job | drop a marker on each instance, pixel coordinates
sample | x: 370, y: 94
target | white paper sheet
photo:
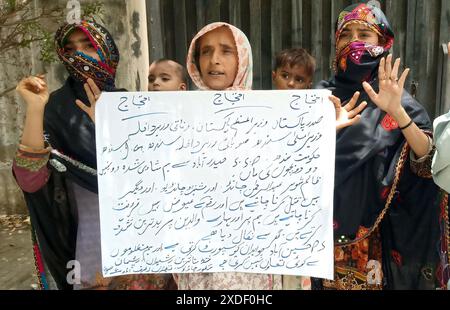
x: 205, y: 181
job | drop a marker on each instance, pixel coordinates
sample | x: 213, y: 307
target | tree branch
x: 13, y: 11
x: 7, y: 91
x: 44, y: 15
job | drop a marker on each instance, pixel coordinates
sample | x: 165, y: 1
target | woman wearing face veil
x: 388, y: 216
x: 58, y: 174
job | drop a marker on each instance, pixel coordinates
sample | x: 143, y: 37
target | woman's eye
x: 204, y: 52
x: 229, y: 51
x: 68, y: 48
x: 285, y: 76
x: 344, y: 35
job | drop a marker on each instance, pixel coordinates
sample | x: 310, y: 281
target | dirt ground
x: 17, y: 271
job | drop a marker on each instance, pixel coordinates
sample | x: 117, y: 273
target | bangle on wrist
x: 28, y: 149
x: 404, y: 127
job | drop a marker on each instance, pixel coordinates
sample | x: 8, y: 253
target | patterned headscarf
x: 370, y: 16
x: 79, y: 65
x: 244, y: 76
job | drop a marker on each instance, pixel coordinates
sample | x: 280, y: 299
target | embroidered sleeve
x: 422, y: 166
x: 30, y: 168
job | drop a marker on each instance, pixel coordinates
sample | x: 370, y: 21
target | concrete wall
x: 127, y: 23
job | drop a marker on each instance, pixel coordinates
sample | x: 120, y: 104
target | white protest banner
x: 205, y: 181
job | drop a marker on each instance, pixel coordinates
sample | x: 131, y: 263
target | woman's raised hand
x: 34, y: 91
x: 93, y: 93
x: 349, y: 114
x: 390, y: 91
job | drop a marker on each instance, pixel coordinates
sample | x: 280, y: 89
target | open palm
x: 390, y: 91
x: 348, y: 114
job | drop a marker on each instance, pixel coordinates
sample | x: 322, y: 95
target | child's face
x: 288, y: 77
x: 164, y: 76
x: 218, y: 58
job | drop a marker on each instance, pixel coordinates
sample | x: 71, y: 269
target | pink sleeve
x: 30, y: 170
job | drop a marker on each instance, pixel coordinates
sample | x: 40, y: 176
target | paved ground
x: 16, y: 254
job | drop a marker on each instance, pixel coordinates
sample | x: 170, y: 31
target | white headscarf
x: 244, y: 76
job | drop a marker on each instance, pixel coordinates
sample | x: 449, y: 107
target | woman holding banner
x: 57, y: 174
x: 387, y: 214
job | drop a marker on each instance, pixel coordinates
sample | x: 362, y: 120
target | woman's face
x: 218, y: 58
x: 78, y: 41
x: 357, y: 32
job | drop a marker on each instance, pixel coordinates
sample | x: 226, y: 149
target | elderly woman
x: 386, y: 207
